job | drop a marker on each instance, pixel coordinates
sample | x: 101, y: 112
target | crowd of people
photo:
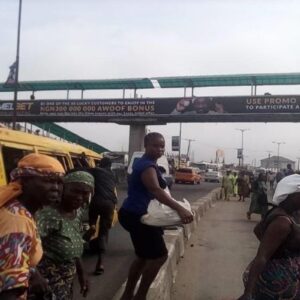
x: 41, y: 218
x: 274, y: 273
x: 41, y: 215
x: 245, y: 185
x: 42, y: 242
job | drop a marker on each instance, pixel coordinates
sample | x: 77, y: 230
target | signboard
x: 175, y: 143
x: 193, y: 109
x: 239, y: 153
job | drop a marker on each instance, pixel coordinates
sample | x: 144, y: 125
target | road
x: 120, y: 252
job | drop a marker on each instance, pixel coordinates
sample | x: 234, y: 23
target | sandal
x: 99, y: 271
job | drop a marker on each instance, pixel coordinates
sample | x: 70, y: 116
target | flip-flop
x: 99, y: 271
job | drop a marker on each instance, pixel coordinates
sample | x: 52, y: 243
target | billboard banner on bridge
x: 170, y: 109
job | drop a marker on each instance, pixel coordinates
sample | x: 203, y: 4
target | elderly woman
x: 275, y: 271
x: 35, y: 183
x: 60, y: 231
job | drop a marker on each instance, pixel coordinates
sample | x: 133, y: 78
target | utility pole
x: 14, y: 119
x: 278, y: 147
x: 242, y: 130
x: 189, y: 145
x: 180, y: 130
x: 269, y: 156
x: 179, y: 152
x: 298, y: 162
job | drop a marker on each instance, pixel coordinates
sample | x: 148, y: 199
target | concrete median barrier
x: 176, y: 240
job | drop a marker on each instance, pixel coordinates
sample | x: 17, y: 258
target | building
x: 276, y: 162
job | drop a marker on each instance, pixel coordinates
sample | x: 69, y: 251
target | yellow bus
x: 16, y: 144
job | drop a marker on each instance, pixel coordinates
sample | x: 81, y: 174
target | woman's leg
x: 149, y: 273
x: 134, y: 275
x: 106, y: 211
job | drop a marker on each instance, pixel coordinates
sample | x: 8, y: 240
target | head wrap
x: 286, y: 186
x: 80, y: 177
x: 30, y: 165
x: 37, y: 165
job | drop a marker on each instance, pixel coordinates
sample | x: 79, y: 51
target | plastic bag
x: 162, y: 215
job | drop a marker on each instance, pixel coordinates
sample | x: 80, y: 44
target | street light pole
x: 269, y: 156
x: 298, y: 158
x: 278, y: 147
x: 17, y: 67
x: 242, y: 130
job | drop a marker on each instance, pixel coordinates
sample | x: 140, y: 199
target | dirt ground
x: 217, y: 254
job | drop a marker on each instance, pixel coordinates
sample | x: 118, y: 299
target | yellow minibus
x: 16, y: 144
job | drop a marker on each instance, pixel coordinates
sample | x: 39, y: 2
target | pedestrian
x: 289, y: 170
x: 279, y: 176
x: 227, y: 185
x: 34, y: 183
x: 259, y: 198
x: 234, y: 184
x: 275, y: 271
x: 146, y: 183
x: 60, y: 231
x: 271, y: 179
x: 103, y: 205
x: 243, y: 187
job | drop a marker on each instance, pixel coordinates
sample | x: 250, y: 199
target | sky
x: 92, y: 39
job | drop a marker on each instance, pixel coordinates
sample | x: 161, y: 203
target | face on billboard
x: 201, y: 105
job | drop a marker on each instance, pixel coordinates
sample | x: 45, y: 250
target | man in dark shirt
x: 103, y: 204
x: 289, y: 170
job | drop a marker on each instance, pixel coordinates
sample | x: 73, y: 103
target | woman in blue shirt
x: 145, y: 184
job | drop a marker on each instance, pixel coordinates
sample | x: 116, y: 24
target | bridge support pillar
x: 136, y: 138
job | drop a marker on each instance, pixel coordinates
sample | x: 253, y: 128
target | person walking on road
x: 259, y: 197
x: 227, y: 186
x: 146, y: 183
x: 34, y: 183
x: 234, y: 178
x: 289, y: 170
x: 103, y: 204
x: 60, y: 231
x: 243, y: 187
x: 275, y: 271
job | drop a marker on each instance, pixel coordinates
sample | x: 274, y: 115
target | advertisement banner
x: 239, y: 153
x: 175, y: 143
x: 166, y: 109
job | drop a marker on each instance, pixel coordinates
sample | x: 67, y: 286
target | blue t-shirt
x: 139, y: 197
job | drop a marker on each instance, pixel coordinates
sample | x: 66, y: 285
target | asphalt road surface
x: 120, y: 252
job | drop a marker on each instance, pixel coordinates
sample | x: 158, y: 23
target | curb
x: 176, y: 241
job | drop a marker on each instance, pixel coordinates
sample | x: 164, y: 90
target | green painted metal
x: 109, y: 84
x: 229, y: 80
x: 70, y: 136
x: 164, y: 82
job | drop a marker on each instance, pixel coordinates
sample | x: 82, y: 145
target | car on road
x: 187, y: 175
x: 213, y: 176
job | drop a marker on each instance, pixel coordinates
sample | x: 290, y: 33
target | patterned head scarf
x: 30, y: 165
x: 37, y: 165
x: 80, y: 177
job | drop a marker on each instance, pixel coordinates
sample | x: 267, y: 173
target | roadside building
x: 276, y: 162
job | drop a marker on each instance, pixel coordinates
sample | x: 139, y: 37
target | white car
x: 213, y: 176
x: 162, y: 163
